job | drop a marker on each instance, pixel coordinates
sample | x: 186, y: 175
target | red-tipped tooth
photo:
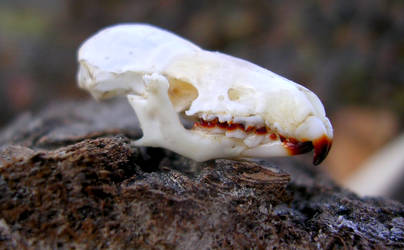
x: 321, y: 146
x: 295, y: 147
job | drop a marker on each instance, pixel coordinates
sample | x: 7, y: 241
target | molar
x: 216, y: 131
x: 208, y: 117
x: 225, y: 117
x: 253, y: 121
x: 236, y: 133
x: 253, y: 140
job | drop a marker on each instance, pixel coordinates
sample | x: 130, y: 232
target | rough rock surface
x: 69, y: 177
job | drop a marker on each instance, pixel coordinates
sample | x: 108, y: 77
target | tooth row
x: 247, y: 121
x: 251, y: 136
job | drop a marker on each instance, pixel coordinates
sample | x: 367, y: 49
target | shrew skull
x: 239, y: 109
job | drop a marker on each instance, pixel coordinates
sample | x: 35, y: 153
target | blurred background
x: 350, y: 53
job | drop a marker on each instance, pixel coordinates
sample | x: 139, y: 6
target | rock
x: 69, y: 177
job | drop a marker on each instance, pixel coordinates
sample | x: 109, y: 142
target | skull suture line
x: 239, y: 109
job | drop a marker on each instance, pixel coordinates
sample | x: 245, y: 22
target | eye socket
x: 181, y: 94
x: 240, y: 93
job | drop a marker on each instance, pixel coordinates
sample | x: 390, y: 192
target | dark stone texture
x: 69, y: 177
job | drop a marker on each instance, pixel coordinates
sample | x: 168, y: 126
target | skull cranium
x: 239, y: 109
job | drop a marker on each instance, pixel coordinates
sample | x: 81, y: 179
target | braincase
x: 132, y: 47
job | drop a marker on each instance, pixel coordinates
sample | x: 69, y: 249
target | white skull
x: 239, y: 109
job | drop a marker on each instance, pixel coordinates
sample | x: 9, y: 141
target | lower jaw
x: 267, y: 140
x: 273, y: 145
